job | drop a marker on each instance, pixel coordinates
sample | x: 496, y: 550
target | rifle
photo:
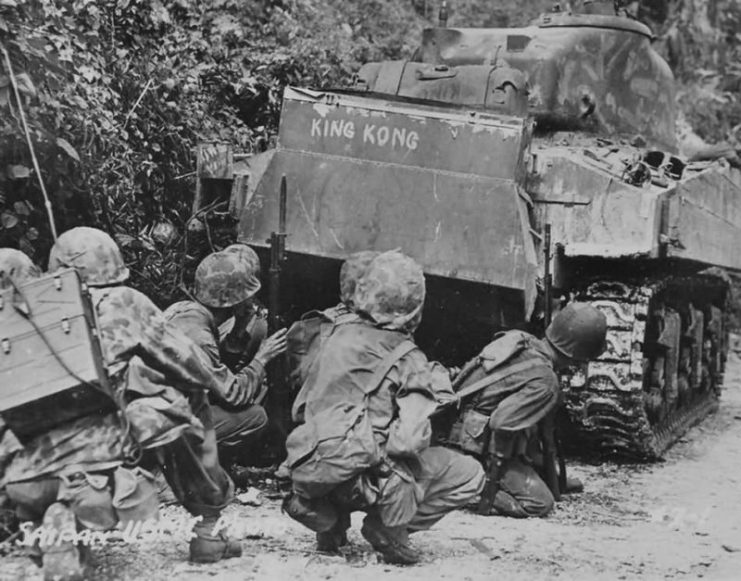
x: 552, y: 448
x: 547, y: 433
x: 278, y: 397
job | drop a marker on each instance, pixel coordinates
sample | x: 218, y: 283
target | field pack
x: 51, y: 366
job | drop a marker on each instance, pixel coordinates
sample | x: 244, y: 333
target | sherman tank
x: 523, y: 168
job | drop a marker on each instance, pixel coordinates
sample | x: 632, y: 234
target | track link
x: 661, y: 371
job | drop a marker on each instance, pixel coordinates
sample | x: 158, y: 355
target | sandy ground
x: 680, y: 519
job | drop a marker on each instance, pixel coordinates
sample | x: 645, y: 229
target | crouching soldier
x: 225, y: 284
x: 304, y: 337
x: 146, y: 360
x: 509, y: 416
x: 364, y: 443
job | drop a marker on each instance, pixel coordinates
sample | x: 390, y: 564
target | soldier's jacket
x: 399, y: 410
x: 146, y: 358
x: 520, y: 400
x: 304, y: 340
x: 197, y: 323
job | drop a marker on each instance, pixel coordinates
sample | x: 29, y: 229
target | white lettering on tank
x: 380, y: 135
x: 383, y: 135
x: 412, y: 140
x: 336, y: 128
x: 398, y: 136
x: 368, y: 134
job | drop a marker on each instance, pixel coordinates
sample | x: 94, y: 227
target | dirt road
x: 680, y: 519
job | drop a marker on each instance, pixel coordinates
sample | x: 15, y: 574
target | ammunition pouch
x: 470, y: 432
x: 135, y: 499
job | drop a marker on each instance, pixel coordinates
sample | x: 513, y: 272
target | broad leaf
x: 18, y: 172
x: 8, y: 220
x: 68, y: 149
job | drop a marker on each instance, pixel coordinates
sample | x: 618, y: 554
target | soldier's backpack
x: 305, y: 339
x: 470, y: 428
x: 338, y: 443
x: 51, y: 366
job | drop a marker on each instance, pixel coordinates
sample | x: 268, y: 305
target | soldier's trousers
x: 522, y: 492
x: 238, y: 432
x: 414, y: 495
x: 419, y: 496
x: 192, y: 469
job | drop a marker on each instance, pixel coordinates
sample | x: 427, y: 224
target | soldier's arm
x: 421, y: 386
x: 131, y: 324
x: 528, y: 405
x: 239, y: 388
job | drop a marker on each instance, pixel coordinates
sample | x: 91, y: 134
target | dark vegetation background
x: 118, y: 93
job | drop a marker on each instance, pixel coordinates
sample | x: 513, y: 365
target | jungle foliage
x: 117, y: 93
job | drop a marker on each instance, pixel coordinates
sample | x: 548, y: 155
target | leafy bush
x: 118, y: 93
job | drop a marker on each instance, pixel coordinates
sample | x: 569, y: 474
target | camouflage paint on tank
x: 499, y: 87
x: 591, y: 72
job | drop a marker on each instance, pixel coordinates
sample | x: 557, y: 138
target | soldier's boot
x: 211, y: 545
x: 318, y: 514
x: 330, y: 541
x: 573, y: 485
x: 63, y: 559
x: 391, y: 542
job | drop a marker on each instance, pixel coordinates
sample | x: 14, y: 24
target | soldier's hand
x: 272, y: 347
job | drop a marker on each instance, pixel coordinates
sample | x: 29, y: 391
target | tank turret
x: 577, y: 72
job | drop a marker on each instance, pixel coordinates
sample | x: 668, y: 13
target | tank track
x: 661, y: 372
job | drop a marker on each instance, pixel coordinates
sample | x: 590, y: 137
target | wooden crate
x: 51, y: 368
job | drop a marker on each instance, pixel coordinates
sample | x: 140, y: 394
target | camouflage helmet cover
x: 392, y: 292
x: 16, y: 268
x: 93, y: 253
x: 224, y: 279
x: 245, y: 253
x: 352, y: 270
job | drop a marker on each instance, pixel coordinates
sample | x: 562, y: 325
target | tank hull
x: 462, y: 159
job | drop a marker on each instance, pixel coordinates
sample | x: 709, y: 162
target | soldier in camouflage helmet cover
x: 94, y: 255
x: 417, y: 484
x: 147, y: 360
x: 16, y: 268
x: 225, y: 284
x: 392, y: 292
x: 226, y: 278
x: 303, y: 336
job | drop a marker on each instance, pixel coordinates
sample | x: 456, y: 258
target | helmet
x: 93, y: 253
x: 16, y: 268
x: 225, y: 279
x: 352, y: 269
x: 392, y: 292
x: 578, y: 331
x: 245, y: 253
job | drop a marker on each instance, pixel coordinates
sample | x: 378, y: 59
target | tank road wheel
x: 661, y: 372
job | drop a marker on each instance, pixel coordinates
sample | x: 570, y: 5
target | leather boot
x: 336, y: 537
x: 61, y: 560
x: 391, y: 542
x: 210, y: 546
x: 573, y: 485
